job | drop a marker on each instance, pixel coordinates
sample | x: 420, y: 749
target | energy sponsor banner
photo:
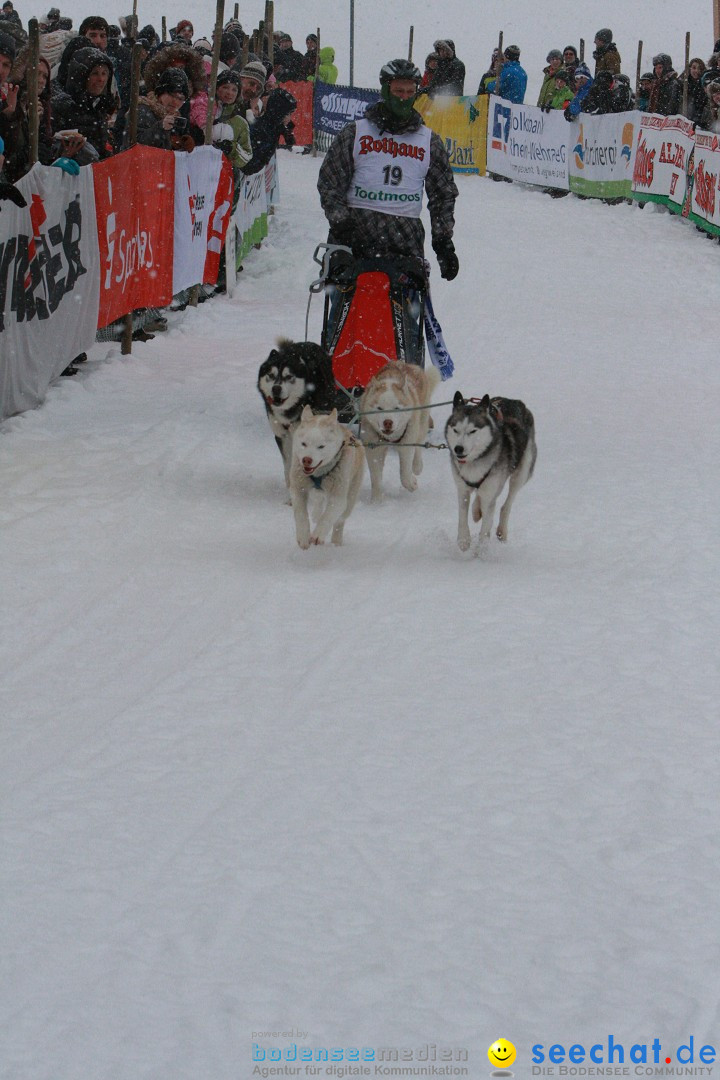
x: 49, y: 283
x: 524, y: 143
x: 461, y: 122
x: 336, y: 106
x: 251, y: 211
x: 135, y: 230
x: 602, y: 151
x: 302, y: 118
x: 663, y: 152
x: 203, y: 202
x: 704, y: 182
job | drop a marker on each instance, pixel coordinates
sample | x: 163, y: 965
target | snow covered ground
x: 388, y: 794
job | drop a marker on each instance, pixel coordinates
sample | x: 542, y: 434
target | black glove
x: 568, y: 115
x: 447, y: 259
x: 344, y: 232
x: 9, y: 191
x: 288, y: 134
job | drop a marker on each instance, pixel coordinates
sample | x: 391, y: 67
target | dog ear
x: 307, y: 413
x: 333, y: 415
x: 458, y: 400
x: 485, y: 403
x: 273, y: 355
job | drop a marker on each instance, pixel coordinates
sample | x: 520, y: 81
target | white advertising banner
x: 705, y: 203
x: 526, y: 144
x: 49, y: 283
x: 602, y: 153
x: 663, y: 152
x: 202, y: 207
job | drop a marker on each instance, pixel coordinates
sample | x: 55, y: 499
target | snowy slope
x: 387, y: 794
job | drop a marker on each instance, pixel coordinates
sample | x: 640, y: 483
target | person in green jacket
x: 327, y: 72
x: 231, y: 132
x: 562, y: 92
x: 554, y: 61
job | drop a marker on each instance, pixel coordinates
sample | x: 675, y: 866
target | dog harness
x: 350, y: 440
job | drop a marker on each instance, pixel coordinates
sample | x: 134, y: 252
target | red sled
x: 373, y: 315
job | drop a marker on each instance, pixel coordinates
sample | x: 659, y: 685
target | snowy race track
x: 387, y: 794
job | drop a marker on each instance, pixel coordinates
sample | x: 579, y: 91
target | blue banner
x: 336, y: 106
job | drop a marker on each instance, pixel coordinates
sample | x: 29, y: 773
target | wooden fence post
x: 137, y: 51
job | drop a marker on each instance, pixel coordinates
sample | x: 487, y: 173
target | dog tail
x: 432, y: 381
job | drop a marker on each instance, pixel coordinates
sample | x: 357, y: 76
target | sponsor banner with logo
x: 602, y: 154
x: 526, y: 144
x: 203, y: 202
x: 704, y: 182
x: 336, y: 106
x: 49, y: 283
x: 135, y: 228
x: 302, y: 118
x: 663, y: 150
x: 461, y: 122
x: 251, y: 213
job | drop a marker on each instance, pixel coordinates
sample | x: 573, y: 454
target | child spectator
x: 697, y: 98
x: 710, y: 119
x: 642, y: 99
x: 431, y: 63
x: 562, y: 94
x: 583, y: 86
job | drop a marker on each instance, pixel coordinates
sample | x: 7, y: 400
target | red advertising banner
x: 134, y: 194
x: 303, y: 115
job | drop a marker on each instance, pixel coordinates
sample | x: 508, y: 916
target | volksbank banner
x: 602, y: 154
x: 526, y: 144
x: 336, y: 106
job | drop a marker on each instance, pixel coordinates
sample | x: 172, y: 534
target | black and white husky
x: 491, y: 441
x: 294, y: 375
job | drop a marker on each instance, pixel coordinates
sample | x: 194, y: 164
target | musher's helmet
x: 399, y: 69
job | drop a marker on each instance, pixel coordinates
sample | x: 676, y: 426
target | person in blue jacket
x: 583, y: 83
x: 513, y: 78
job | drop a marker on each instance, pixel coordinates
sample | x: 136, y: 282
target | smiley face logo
x: 502, y: 1054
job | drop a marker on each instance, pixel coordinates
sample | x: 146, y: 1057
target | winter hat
x: 7, y: 46
x: 713, y: 88
x: 53, y: 13
x: 444, y: 43
x: 604, y: 36
x: 563, y: 75
x: 570, y: 48
x: 202, y: 45
x: 229, y: 47
x: 554, y: 54
x: 228, y: 76
x: 582, y: 71
x: 512, y: 52
x: 173, y: 81
x: 311, y: 37
x: 182, y: 25
x: 664, y: 59
x: 255, y: 70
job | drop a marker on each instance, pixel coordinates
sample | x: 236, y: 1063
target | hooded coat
x: 513, y: 82
x: 15, y: 130
x: 327, y: 72
x: 607, y: 58
x: 449, y: 77
x: 76, y: 108
x: 666, y: 92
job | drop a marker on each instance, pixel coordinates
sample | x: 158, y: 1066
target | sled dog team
x: 491, y: 441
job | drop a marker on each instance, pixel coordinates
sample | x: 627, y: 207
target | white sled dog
x: 491, y: 441
x: 326, y: 457
x: 396, y: 387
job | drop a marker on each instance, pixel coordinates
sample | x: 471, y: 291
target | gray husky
x: 491, y: 441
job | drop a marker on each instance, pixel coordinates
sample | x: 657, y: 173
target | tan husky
x: 328, y: 458
x: 394, y: 399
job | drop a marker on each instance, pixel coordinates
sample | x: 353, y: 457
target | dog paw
x: 463, y: 543
x: 316, y: 540
x: 410, y: 485
x: 304, y: 544
x: 501, y: 534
